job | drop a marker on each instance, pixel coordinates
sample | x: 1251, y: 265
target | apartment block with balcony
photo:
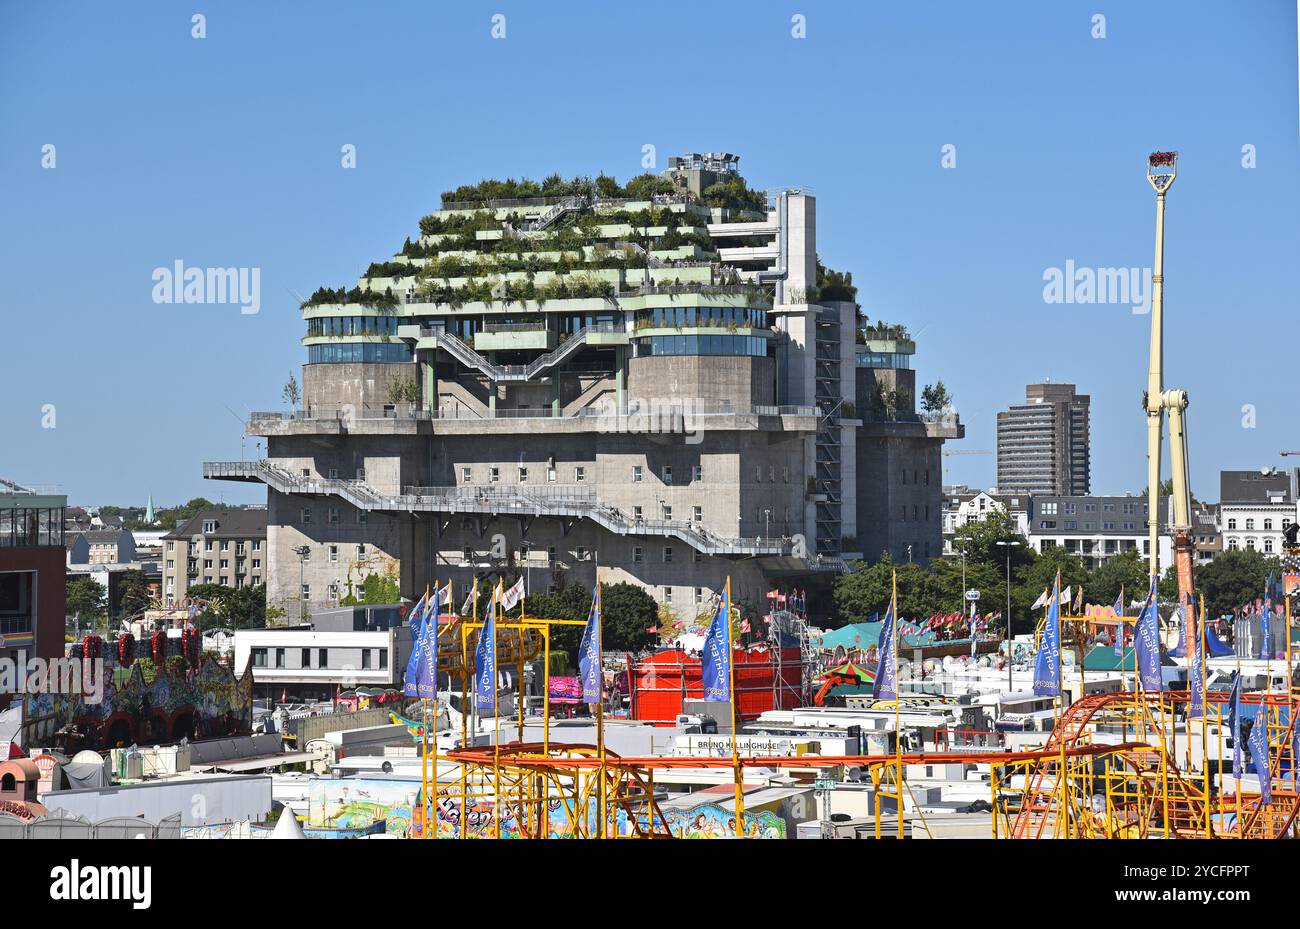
x: 1044, y: 443
x: 215, y: 546
x: 554, y: 376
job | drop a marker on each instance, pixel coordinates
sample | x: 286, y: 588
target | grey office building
x: 1043, y: 443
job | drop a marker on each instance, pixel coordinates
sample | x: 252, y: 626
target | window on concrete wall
x: 668, y: 554
x: 579, y: 475
x: 636, y: 474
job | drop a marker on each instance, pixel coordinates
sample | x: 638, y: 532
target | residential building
x: 963, y: 506
x: 32, y: 556
x: 653, y: 379
x: 226, y: 546
x: 100, y: 547
x: 1256, y: 507
x: 341, y: 648
x: 1095, y: 528
x: 1206, y: 536
x: 1043, y: 443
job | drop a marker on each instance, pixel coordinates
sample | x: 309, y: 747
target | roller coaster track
x: 1157, y: 794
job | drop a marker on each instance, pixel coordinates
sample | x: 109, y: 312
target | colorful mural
x: 206, y: 703
x: 361, y: 803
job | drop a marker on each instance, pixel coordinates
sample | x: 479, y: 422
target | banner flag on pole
x: 416, y: 616
x: 1041, y: 601
x: 1047, y: 663
x: 589, y: 669
x: 1195, y: 662
x: 1119, y: 625
x: 444, y: 595
x: 512, y: 596
x: 1258, y: 745
x: 415, y: 619
x: 717, y: 654
x: 1234, y: 725
x: 1146, y: 639
x: 1265, y: 621
x: 885, y: 687
x: 468, y: 608
x: 485, y: 661
x: 426, y: 674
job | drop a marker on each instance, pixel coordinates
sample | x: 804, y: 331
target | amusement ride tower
x: 1162, y: 168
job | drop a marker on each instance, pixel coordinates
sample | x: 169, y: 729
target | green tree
x: 86, y: 598
x: 1235, y: 577
x: 980, y: 540
x: 291, y: 394
x: 134, y: 590
x: 935, y: 398
x: 1128, y: 569
x: 376, y: 590
x: 231, y: 607
x: 627, y: 611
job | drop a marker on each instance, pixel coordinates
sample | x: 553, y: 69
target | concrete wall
x: 327, y: 388
x: 742, y: 380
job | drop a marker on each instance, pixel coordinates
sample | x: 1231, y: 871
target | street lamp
x: 303, y: 552
x: 1008, y: 545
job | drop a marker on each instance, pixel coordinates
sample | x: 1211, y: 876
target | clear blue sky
x: 225, y: 151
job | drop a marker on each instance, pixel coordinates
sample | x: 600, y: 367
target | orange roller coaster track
x: 1105, y: 771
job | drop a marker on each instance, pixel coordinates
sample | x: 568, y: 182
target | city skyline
x: 211, y: 170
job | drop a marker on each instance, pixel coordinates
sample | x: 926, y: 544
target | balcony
x: 494, y: 337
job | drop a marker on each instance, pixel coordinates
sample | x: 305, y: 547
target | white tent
x: 287, y: 827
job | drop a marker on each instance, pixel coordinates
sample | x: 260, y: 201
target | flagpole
x: 464, y: 708
x: 735, y: 722
x: 424, y: 729
x: 1236, y: 734
x: 496, y: 719
x: 601, y: 825
x: 519, y: 660
x: 1205, y: 712
x: 898, y: 699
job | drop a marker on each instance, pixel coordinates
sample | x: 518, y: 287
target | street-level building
x: 340, y: 649
x: 1095, y: 528
x: 216, y: 546
x: 1256, y: 507
x: 963, y: 506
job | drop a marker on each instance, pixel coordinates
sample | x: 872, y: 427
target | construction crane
x: 1162, y: 168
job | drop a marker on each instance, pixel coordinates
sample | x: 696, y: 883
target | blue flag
x: 885, y: 685
x: 1119, y: 622
x: 717, y: 653
x: 589, y: 671
x: 415, y: 620
x: 1258, y: 745
x: 1195, y: 664
x: 485, y: 661
x: 1234, y: 724
x: 426, y: 675
x: 1146, y: 639
x: 1266, y: 621
x: 1047, y: 663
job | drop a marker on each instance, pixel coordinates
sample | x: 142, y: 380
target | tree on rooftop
x: 935, y: 398
x: 291, y: 394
